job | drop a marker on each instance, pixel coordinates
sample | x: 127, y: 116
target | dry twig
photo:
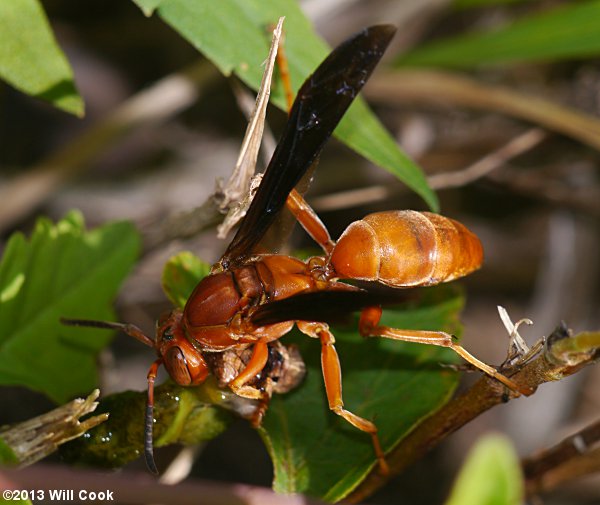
x: 433, y: 87
x: 36, y: 438
x: 232, y: 196
x: 236, y: 195
x: 574, y: 457
x: 481, y: 168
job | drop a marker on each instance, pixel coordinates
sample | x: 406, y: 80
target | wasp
x: 250, y: 300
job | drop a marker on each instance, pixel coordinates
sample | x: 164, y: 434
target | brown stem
x: 181, y: 225
x: 569, y: 459
x: 584, y: 464
x: 483, y: 395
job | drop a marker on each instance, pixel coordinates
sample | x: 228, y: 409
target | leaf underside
x: 30, y: 58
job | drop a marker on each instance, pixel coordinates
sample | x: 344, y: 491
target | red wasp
x: 251, y: 300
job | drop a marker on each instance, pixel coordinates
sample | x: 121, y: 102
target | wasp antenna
x: 148, y: 441
x: 149, y: 419
x: 130, y: 329
x: 91, y: 323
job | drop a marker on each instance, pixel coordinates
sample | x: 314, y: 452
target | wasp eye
x: 168, y: 333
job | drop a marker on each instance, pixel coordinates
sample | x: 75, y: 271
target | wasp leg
x: 259, y: 414
x: 369, y: 327
x: 309, y: 220
x: 332, y: 374
x: 284, y: 73
x: 258, y: 360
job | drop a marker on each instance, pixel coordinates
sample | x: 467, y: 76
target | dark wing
x: 319, y: 106
x: 325, y: 306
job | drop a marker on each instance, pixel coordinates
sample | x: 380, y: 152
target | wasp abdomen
x: 406, y: 248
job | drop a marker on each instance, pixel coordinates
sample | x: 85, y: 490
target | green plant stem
x: 182, y: 415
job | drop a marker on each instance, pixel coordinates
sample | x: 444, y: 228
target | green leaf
x: 181, y: 274
x: 569, y: 31
x: 30, y: 58
x: 62, y: 271
x: 7, y: 456
x: 490, y: 476
x: 234, y: 36
x: 148, y: 6
x: 395, y: 384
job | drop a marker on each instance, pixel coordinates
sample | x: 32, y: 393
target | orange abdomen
x: 406, y: 248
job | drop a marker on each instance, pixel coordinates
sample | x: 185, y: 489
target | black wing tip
x: 384, y: 31
x: 375, y: 38
x: 379, y: 36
